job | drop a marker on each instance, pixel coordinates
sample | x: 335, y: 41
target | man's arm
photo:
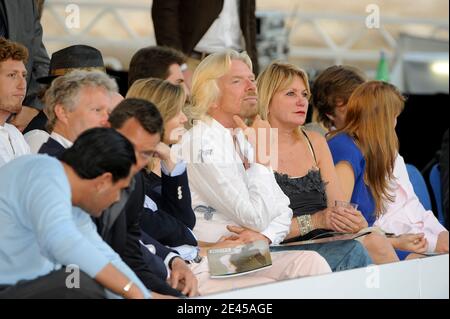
x: 40, y: 63
x: 165, y: 253
x: 88, y: 229
x: 134, y: 258
x: 166, y: 229
x: 279, y: 228
x: 37, y: 67
x: 249, y: 205
x: 67, y: 236
x: 152, y: 272
x: 165, y: 215
x: 176, y: 195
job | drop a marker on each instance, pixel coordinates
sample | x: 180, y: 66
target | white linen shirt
x: 12, y: 144
x: 217, y: 179
x: 406, y: 214
x: 61, y: 140
x: 225, y: 32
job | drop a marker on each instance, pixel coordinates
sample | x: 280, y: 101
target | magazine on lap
x: 239, y: 260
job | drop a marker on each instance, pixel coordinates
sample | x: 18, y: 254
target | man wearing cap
x: 20, y: 22
x: 13, y: 85
x: 75, y: 57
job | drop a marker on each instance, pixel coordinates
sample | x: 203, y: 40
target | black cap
x: 75, y: 57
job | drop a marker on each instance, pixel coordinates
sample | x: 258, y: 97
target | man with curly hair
x: 13, y: 87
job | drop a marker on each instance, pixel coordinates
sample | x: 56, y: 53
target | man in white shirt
x: 13, y: 87
x: 216, y: 155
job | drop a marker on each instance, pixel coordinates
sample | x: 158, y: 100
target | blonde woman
x: 170, y: 100
x: 365, y: 152
x: 305, y: 169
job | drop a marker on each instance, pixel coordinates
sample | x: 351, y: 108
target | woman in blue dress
x: 365, y: 149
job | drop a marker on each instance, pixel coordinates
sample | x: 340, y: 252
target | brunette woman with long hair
x: 365, y: 152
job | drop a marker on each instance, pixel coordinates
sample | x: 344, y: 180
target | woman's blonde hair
x: 205, y: 88
x: 277, y: 76
x: 372, y: 110
x: 167, y: 97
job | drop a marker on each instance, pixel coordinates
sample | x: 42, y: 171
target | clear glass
x: 340, y: 203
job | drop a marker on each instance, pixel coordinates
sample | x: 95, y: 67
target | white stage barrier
x: 422, y: 278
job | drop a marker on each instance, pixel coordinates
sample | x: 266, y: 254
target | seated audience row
x: 173, y: 188
x: 247, y: 170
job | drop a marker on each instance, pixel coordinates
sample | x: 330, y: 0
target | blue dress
x: 343, y: 148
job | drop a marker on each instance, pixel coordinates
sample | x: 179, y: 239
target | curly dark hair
x: 12, y: 50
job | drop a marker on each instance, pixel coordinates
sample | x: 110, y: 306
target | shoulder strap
x: 310, y: 146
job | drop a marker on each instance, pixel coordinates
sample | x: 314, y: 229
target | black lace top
x: 307, y: 194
